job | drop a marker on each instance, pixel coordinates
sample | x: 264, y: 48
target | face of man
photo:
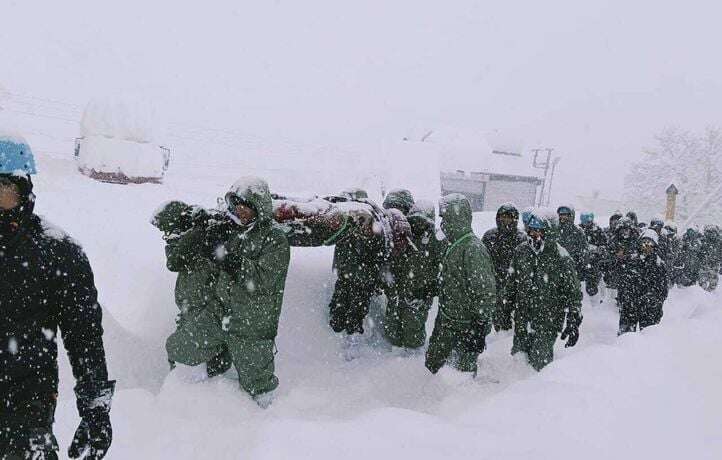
x: 507, y: 222
x: 9, y: 197
x: 647, y: 247
x: 245, y: 214
x: 565, y: 218
x: 536, y: 239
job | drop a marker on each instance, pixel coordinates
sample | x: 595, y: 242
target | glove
x: 94, y: 435
x: 571, y: 331
x: 474, y: 340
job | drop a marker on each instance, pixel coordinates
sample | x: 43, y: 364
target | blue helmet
x: 587, y: 217
x: 525, y: 216
x: 16, y: 157
x: 536, y: 223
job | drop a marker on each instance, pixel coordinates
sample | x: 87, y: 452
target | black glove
x: 474, y: 340
x: 94, y: 435
x: 571, y: 331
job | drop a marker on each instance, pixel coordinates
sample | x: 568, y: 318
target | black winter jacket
x: 47, y: 285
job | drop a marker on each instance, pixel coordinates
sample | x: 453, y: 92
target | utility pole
x: 555, y: 162
x: 542, y: 164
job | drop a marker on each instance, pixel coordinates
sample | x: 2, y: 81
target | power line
x: 32, y: 114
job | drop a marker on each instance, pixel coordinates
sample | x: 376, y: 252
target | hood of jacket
x: 456, y: 216
x: 400, y: 199
x: 254, y: 192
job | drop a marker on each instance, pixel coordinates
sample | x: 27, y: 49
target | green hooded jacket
x: 416, y: 271
x: 253, y: 266
x: 573, y: 239
x: 543, y: 287
x: 184, y: 231
x: 467, y: 290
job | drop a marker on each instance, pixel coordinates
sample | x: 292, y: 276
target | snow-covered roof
x: 472, y: 152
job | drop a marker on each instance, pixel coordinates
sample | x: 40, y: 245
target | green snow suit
x: 252, y: 264
x: 414, y: 283
x: 357, y: 261
x: 184, y: 232
x: 467, y: 291
x: 573, y: 239
x: 542, y: 291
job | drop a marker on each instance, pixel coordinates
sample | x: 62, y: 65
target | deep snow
x: 649, y: 395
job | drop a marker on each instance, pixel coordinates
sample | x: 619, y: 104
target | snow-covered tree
x: 691, y: 161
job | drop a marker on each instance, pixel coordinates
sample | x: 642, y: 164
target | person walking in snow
x: 622, y: 247
x: 357, y: 260
x: 690, y: 257
x: 251, y: 256
x: 413, y: 283
x: 47, y: 286
x: 361, y: 258
x: 467, y: 292
x: 597, y: 244
x: 369, y: 243
x: 675, y: 248
x: 663, y: 244
x: 642, y: 286
x: 544, y: 293
x: 572, y: 239
x: 710, y: 258
x: 184, y: 231
x: 501, y: 242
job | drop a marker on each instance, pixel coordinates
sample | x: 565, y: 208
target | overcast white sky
x: 595, y: 80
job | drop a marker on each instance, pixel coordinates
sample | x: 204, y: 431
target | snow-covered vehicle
x: 118, y: 144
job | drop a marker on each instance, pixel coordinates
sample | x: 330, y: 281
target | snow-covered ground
x: 649, y: 395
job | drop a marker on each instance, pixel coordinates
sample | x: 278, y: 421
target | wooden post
x: 672, y: 193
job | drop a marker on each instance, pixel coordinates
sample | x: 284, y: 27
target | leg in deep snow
x: 196, y: 341
x: 541, y: 349
x: 349, y: 305
x: 651, y: 315
x: 445, y: 341
x: 405, y: 322
x: 628, y: 317
x: 254, y: 361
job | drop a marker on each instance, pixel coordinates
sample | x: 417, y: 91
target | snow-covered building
x: 118, y: 143
x: 488, y: 174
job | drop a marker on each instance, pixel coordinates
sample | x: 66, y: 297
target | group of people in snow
x: 231, y: 266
